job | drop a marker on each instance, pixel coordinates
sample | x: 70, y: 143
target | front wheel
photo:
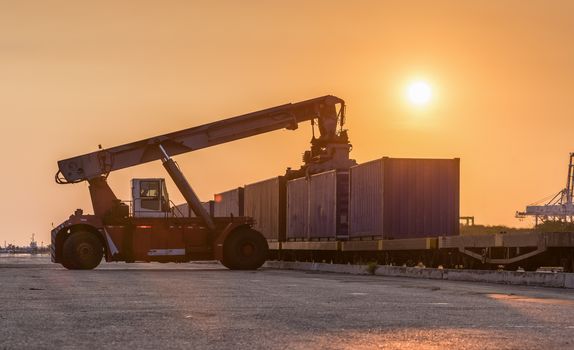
x: 82, y: 251
x: 245, y: 249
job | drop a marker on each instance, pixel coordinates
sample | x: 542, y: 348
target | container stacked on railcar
x: 229, y: 203
x: 183, y: 210
x: 297, y: 209
x: 393, y: 198
x: 317, y: 206
x: 265, y: 201
x: 329, y: 205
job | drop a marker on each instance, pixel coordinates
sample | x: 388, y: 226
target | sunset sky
x: 77, y: 74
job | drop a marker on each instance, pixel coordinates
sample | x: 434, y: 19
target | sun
x: 419, y: 93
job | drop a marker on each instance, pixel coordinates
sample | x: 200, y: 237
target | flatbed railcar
x: 529, y: 250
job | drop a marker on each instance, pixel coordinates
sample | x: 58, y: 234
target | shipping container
x: 265, y: 201
x: 404, y: 198
x: 328, y: 204
x: 229, y: 203
x: 317, y: 207
x: 183, y: 210
x: 297, y: 209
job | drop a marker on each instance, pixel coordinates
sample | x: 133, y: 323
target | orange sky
x: 76, y: 74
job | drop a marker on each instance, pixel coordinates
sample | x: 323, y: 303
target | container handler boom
x: 288, y: 116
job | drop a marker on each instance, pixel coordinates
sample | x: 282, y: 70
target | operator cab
x: 150, y: 198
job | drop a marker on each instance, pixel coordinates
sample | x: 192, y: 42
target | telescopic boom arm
x: 288, y: 116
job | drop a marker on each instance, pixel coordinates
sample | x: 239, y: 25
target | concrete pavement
x: 204, y: 306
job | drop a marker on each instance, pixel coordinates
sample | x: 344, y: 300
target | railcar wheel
x: 245, y: 249
x: 82, y: 251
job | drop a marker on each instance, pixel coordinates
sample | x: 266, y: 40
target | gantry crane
x: 559, y: 207
x: 148, y: 230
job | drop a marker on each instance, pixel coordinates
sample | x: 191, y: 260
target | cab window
x: 150, y: 195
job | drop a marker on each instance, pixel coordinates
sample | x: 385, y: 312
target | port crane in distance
x: 149, y: 228
x: 560, y: 207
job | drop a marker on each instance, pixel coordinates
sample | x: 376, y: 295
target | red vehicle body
x: 151, y: 239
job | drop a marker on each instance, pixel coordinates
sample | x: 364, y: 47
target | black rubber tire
x: 245, y: 249
x: 82, y: 251
x: 68, y: 263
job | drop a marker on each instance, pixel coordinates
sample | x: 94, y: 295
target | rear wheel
x: 245, y: 249
x: 82, y: 251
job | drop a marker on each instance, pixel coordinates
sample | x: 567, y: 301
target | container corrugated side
x: 229, y: 203
x: 297, y: 209
x: 183, y: 210
x: 265, y: 201
x: 421, y: 197
x: 366, y: 199
x: 328, y: 202
x: 404, y: 198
